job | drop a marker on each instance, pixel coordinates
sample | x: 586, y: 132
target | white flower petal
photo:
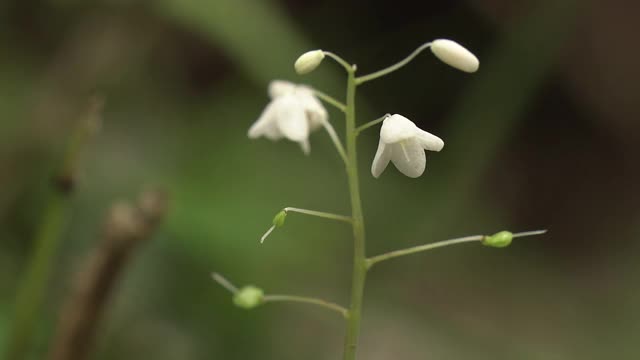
x: 381, y: 160
x: 409, y: 157
x: 397, y: 128
x: 266, y: 125
x: 306, y: 147
x: 280, y: 87
x: 291, y: 117
x: 429, y: 141
x: 316, y: 112
x: 293, y: 113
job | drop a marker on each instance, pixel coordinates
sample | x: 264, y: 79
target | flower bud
x: 278, y: 220
x: 248, y: 297
x: 455, y: 55
x: 308, y: 61
x: 499, y: 240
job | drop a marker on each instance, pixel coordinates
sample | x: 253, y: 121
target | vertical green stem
x: 359, y: 256
x: 32, y: 288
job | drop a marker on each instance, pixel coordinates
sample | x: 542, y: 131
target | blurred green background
x: 544, y: 136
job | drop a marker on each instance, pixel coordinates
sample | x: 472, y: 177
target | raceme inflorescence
x: 295, y: 111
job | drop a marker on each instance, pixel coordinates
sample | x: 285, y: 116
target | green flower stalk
x: 295, y: 111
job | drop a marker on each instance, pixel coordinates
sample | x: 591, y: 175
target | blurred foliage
x: 183, y: 82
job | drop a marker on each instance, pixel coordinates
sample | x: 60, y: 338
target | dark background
x: 544, y: 136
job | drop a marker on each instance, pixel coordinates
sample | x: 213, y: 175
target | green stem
x: 416, y: 249
x: 394, y: 67
x: 329, y: 100
x: 336, y: 141
x: 375, y: 122
x: 412, y: 250
x: 222, y: 281
x: 321, y: 214
x: 307, y: 300
x: 340, y: 61
x: 33, y: 285
x: 359, y: 255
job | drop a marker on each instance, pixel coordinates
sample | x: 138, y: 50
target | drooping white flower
x: 455, y: 55
x: 293, y: 113
x: 403, y: 143
x: 308, y: 61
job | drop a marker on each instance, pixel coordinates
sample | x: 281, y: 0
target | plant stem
x: 359, y: 255
x: 416, y: 249
x: 222, y: 281
x: 371, y: 123
x: 412, y: 250
x: 33, y: 286
x: 348, y: 68
x: 329, y: 99
x: 394, y: 67
x: 307, y: 300
x: 321, y: 214
x: 336, y: 141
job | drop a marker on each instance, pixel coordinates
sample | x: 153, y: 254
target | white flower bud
x: 455, y: 55
x: 308, y: 61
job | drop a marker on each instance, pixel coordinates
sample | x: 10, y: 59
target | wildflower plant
x: 296, y: 110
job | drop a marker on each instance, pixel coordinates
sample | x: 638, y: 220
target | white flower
x: 403, y: 143
x: 308, y: 61
x: 454, y: 54
x: 294, y: 112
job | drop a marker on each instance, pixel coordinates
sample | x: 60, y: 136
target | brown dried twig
x: 127, y: 226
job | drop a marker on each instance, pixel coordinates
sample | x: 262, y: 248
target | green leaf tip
x: 498, y: 240
x: 248, y: 297
x: 278, y: 220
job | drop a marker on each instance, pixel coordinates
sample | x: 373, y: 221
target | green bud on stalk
x: 248, y: 297
x: 278, y: 220
x: 498, y: 240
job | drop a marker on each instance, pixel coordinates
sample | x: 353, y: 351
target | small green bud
x: 499, y: 240
x: 248, y: 297
x: 278, y: 220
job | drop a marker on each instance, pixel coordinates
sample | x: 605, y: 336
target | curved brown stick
x: 126, y: 227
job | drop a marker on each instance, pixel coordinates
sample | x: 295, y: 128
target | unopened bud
x: 278, y: 220
x: 455, y: 55
x: 308, y: 61
x: 248, y: 297
x: 499, y: 240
